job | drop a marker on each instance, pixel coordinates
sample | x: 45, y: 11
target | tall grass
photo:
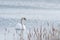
x: 39, y: 34
x: 43, y: 34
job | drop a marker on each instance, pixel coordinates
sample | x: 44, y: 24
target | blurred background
x: 39, y: 13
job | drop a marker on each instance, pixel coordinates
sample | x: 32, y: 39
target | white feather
x: 20, y: 26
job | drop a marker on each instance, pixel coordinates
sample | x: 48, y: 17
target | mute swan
x: 21, y: 26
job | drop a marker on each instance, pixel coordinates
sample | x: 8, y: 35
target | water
x: 4, y: 22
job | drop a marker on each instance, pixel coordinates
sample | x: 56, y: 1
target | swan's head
x: 23, y: 20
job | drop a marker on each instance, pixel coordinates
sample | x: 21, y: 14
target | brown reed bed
x: 39, y: 34
x: 43, y: 34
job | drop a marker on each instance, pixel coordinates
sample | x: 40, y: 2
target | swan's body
x: 20, y: 26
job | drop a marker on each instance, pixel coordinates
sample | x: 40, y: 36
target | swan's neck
x: 23, y: 26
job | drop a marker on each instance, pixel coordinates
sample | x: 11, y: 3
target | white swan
x: 21, y: 26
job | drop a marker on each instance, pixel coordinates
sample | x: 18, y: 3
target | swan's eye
x: 24, y: 18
